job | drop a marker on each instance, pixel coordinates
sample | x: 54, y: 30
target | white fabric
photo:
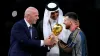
x: 53, y: 22
x: 47, y: 30
x: 42, y: 42
x: 52, y: 5
x: 28, y: 25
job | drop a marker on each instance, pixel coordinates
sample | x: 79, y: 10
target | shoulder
x: 81, y: 36
x: 18, y: 24
x: 81, y: 33
x: 77, y: 35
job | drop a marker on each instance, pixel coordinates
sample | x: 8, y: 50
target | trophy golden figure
x: 57, y: 29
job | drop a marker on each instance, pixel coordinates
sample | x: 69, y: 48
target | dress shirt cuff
x: 48, y: 48
x: 42, y: 42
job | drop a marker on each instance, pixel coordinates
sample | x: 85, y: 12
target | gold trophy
x: 57, y: 29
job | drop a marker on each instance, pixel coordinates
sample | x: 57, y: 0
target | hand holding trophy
x: 55, y: 32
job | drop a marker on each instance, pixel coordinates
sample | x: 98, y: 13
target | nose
x: 56, y: 14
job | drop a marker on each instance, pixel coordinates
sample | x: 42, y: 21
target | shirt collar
x: 28, y: 25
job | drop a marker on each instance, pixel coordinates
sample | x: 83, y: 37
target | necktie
x: 30, y: 30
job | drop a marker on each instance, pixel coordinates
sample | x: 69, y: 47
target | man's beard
x: 55, y: 17
x: 67, y: 26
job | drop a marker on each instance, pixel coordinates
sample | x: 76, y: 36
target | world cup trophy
x: 56, y: 30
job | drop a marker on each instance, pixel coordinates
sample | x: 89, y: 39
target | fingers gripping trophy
x: 56, y: 31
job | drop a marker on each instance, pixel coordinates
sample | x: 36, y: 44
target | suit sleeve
x: 18, y: 32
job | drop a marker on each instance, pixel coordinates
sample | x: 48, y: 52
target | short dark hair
x: 72, y: 15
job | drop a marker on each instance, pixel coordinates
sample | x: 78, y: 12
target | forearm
x: 28, y: 42
x: 23, y: 39
x: 64, y: 46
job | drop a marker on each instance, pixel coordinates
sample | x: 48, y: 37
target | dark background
x: 87, y: 10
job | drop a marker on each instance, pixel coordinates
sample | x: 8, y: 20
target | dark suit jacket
x: 21, y: 43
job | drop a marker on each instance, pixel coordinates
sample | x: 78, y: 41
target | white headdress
x: 47, y: 13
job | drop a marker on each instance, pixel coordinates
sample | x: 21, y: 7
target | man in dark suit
x: 24, y: 38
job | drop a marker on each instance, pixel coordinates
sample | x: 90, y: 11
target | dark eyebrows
x: 55, y: 12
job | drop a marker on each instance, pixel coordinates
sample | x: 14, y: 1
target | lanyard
x: 50, y: 24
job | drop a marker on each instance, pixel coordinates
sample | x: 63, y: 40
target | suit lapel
x: 26, y: 29
x: 34, y: 32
